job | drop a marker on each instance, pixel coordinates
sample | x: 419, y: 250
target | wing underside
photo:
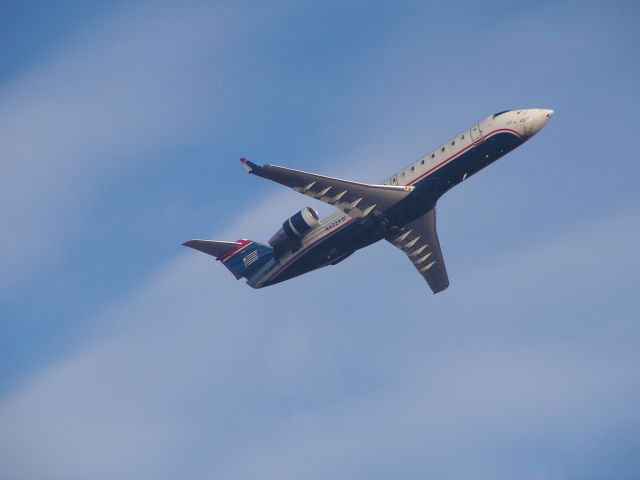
x: 419, y: 241
x: 354, y: 198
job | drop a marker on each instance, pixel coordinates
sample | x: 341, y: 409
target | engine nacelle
x: 293, y: 229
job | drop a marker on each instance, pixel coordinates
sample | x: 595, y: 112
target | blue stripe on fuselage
x: 481, y: 155
x: 356, y: 234
x: 345, y: 239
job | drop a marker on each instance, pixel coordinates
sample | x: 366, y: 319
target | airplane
x: 401, y: 209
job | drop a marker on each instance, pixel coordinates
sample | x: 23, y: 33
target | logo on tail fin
x: 249, y: 259
x: 243, y: 258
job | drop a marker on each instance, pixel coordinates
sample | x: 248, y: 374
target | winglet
x: 248, y: 166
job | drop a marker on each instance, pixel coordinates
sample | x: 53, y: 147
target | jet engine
x: 293, y: 229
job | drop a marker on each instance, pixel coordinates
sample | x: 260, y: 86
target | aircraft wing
x: 354, y: 198
x: 419, y: 241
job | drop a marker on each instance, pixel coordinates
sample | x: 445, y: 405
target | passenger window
x: 413, y: 168
x: 462, y: 137
x: 453, y: 142
x: 442, y: 149
x: 433, y: 155
x: 422, y: 162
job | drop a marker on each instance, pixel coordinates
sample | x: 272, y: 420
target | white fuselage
x: 478, y: 141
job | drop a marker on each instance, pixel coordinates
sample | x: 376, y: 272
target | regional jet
x: 401, y: 209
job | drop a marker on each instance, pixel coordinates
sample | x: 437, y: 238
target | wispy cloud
x: 189, y: 360
x: 113, y: 95
x: 351, y: 371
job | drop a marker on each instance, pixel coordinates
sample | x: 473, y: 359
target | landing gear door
x: 476, y: 134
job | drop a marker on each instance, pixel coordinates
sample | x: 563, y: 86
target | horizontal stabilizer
x: 212, y: 247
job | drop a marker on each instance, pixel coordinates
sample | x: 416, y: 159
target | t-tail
x: 244, y: 258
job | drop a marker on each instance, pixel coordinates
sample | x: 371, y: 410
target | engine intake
x: 293, y: 229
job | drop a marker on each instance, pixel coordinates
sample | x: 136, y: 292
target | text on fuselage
x: 335, y: 223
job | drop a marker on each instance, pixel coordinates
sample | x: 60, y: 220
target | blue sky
x: 122, y: 355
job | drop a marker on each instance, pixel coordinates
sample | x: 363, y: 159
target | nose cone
x: 538, y: 119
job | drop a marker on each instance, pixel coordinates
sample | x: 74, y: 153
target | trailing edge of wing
x: 419, y: 241
x: 354, y: 198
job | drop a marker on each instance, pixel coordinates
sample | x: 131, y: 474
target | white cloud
x: 454, y: 406
x: 190, y: 374
x: 117, y: 94
x: 601, y: 253
x: 189, y: 377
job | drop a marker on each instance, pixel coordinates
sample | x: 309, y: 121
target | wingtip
x: 248, y: 166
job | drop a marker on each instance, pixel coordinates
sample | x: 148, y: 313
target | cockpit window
x: 500, y: 113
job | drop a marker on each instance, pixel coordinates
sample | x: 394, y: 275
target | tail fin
x: 243, y: 258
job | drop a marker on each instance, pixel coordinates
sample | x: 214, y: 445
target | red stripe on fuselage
x: 348, y: 221
x: 457, y: 154
x: 306, y: 249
